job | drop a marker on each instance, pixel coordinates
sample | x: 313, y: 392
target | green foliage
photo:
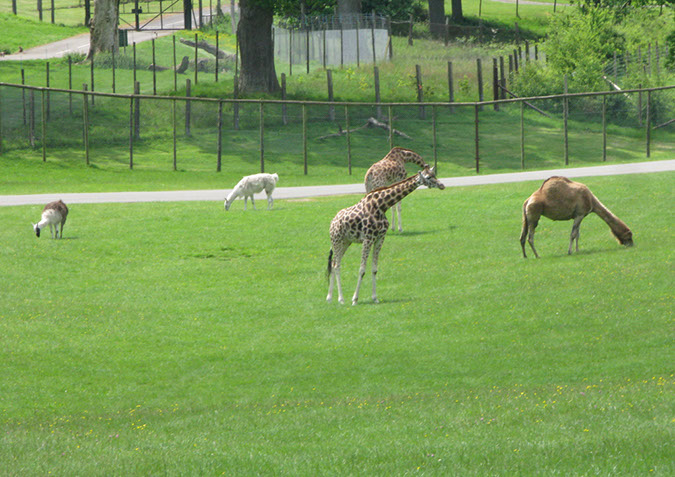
x: 670, y: 41
x: 580, y: 43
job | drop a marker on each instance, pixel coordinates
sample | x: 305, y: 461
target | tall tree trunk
x: 457, y: 15
x: 103, y: 27
x: 345, y: 7
x: 437, y: 17
x: 256, y: 47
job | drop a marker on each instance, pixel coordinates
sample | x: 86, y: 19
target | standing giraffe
x: 389, y: 170
x: 366, y: 222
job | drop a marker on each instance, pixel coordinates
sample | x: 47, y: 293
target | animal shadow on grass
x: 414, y: 233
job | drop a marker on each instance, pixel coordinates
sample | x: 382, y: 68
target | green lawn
x: 180, y: 339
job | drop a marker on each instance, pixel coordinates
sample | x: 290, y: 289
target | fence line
x: 263, y: 105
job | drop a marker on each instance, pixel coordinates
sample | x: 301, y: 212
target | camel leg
x: 376, y: 252
x: 575, y: 234
x: 362, y: 269
x: 530, y: 237
x: 523, y: 234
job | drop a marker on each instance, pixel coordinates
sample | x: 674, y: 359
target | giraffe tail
x: 330, y: 264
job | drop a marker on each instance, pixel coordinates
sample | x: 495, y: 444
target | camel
x: 559, y: 198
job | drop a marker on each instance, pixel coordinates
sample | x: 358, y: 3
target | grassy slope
x: 21, y: 32
x: 180, y: 339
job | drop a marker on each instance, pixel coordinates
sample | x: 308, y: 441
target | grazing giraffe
x: 366, y: 222
x: 389, y: 170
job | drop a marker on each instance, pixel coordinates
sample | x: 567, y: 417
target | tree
x: 457, y: 15
x: 103, y: 28
x: 346, y: 7
x: 256, y: 47
x: 437, y: 17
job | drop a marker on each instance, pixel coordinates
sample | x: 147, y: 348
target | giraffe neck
x: 386, y: 197
x: 413, y: 157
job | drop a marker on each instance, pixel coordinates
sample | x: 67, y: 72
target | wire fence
x: 200, y: 134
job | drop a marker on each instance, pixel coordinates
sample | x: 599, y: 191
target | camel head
x: 623, y: 235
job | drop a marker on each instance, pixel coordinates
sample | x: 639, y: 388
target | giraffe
x: 389, y: 170
x: 366, y: 222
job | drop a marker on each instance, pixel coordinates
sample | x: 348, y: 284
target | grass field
x: 175, y: 338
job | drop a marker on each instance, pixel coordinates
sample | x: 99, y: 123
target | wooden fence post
x: 358, y: 40
x: 44, y: 127
x: 235, y: 107
x: 196, y: 57
x: 31, y: 118
x: 134, y: 58
x: 284, y: 106
x: 648, y: 121
x: 217, y: 48
x: 391, y: 46
x: 23, y: 95
x: 304, y: 136
x: 502, y: 78
x: 175, y: 122
x: 113, y: 72
x: 433, y: 137
x: 47, y: 92
x: 175, y: 72
x: 131, y: 133
x: 329, y: 80
x: 372, y: 37
x: 476, y: 109
x: 495, y: 83
x: 262, y: 137
x: 220, y: 136
x: 639, y: 105
x: 70, y: 85
x: 420, y: 90
x: 349, y: 141
x: 307, y: 48
x: 410, y: 31
x: 188, y: 106
x: 522, y: 134
x: 566, y: 106
x: 85, y: 124
x: 137, y: 110
x: 451, y: 89
x: 479, y: 79
x: 376, y: 80
x: 92, y: 80
x: 604, y: 127
x: 391, y: 127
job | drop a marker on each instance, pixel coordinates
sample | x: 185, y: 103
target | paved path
x: 326, y: 190
x: 80, y: 43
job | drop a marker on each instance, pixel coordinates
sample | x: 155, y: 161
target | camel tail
x: 330, y: 264
x: 619, y: 229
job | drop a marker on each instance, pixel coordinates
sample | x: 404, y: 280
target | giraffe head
x: 427, y: 177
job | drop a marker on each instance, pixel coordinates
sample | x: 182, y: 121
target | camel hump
x: 556, y: 179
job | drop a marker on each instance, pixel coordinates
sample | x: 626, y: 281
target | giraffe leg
x: 575, y: 234
x: 376, y: 252
x: 362, y: 269
x: 338, y: 252
x: 398, y: 211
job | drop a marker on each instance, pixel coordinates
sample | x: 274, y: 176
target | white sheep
x: 54, y: 214
x: 253, y: 184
